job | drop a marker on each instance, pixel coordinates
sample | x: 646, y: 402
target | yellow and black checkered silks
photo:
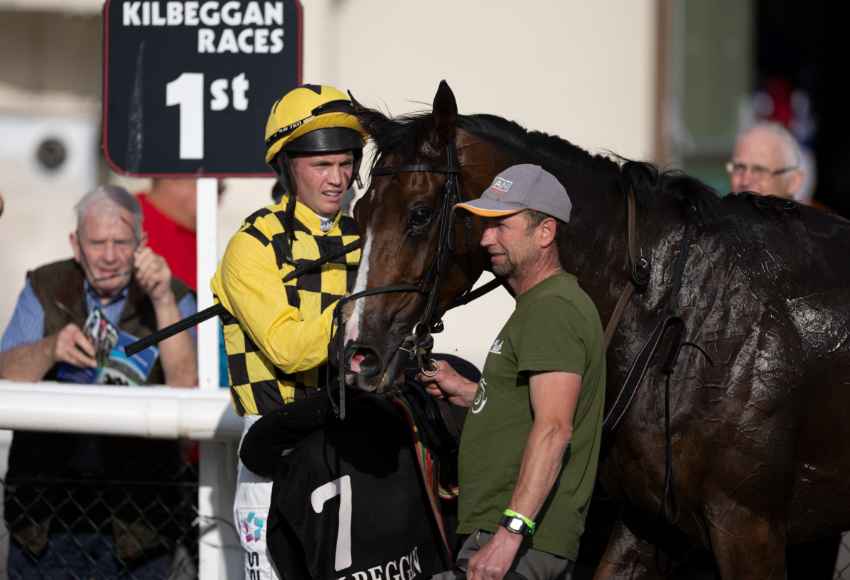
x: 277, y: 334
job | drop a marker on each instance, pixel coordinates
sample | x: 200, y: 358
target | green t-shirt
x: 555, y: 327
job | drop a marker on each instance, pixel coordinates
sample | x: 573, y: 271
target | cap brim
x: 488, y: 208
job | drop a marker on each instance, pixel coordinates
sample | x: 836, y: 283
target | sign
x: 188, y: 85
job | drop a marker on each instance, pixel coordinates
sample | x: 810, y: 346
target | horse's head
x: 416, y: 257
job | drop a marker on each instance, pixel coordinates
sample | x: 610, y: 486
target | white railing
x: 158, y: 412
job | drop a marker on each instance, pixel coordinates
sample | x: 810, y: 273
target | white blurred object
x: 48, y: 161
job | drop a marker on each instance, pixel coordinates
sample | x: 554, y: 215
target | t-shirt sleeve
x: 549, y: 338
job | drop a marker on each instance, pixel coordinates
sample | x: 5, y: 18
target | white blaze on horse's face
x: 352, y: 327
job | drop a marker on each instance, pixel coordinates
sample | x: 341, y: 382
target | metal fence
x: 80, y: 528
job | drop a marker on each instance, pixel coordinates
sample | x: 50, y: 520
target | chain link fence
x: 104, y: 525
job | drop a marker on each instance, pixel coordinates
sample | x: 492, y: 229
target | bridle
x: 418, y: 344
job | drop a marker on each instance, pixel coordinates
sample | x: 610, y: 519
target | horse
x: 729, y: 355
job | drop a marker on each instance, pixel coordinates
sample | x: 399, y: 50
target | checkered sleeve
x: 248, y: 284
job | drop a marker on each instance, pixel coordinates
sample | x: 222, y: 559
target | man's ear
x: 547, y: 231
x: 144, y: 241
x: 795, y: 182
x: 75, y: 245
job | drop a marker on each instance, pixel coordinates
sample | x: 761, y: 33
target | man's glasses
x: 757, y: 171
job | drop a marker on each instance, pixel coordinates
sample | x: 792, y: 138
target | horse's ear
x: 373, y: 121
x: 355, y: 103
x: 445, y: 113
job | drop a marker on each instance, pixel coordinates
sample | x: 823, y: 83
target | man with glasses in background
x: 766, y: 160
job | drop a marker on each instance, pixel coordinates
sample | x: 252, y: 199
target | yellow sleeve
x: 248, y: 284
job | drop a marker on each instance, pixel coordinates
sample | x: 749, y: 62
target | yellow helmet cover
x: 306, y: 109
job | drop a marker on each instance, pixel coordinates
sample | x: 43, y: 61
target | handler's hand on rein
x: 445, y: 382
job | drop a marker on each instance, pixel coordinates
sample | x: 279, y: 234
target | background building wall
x: 584, y: 71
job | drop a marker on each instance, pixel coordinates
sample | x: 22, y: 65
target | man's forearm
x: 541, y: 463
x: 28, y: 362
x: 177, y: 353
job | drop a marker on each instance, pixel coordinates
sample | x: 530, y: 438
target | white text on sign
x: 187, y: 93
x: 261, y: 23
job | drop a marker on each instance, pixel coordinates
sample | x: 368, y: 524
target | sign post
x: 188, y: 84
x: 187, y: 87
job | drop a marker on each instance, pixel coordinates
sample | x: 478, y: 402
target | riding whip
x: 218, y: 309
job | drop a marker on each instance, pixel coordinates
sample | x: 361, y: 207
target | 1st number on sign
x: 187, y: 93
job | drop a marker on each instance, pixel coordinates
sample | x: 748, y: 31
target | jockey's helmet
x: 313, y: 119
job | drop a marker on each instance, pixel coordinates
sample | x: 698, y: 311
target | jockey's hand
x: 445, y: 382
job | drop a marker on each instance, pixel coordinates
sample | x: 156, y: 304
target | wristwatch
x: 517, y: 523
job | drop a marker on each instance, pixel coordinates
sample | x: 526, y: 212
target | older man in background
x: 63, y: 507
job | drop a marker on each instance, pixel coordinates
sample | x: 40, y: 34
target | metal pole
x: 219, y: 554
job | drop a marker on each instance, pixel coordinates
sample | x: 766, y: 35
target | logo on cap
x: 502, y: 185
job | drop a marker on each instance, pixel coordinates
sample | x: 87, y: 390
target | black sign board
x: 188, y: 84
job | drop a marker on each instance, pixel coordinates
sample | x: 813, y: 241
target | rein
x: 639, y: 269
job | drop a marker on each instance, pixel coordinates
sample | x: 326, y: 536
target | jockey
x: 277, y: 333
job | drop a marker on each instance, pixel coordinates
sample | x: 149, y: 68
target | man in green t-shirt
x: 530, y: 443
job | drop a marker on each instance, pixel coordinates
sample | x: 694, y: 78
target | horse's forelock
x: 403, y: 135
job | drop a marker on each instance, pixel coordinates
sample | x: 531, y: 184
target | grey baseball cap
x: 521, y: 187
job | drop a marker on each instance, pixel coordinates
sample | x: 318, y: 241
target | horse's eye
x: 420, y: 216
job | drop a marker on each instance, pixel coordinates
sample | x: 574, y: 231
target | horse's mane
x: 555, y: 152
x: 652, y: 186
